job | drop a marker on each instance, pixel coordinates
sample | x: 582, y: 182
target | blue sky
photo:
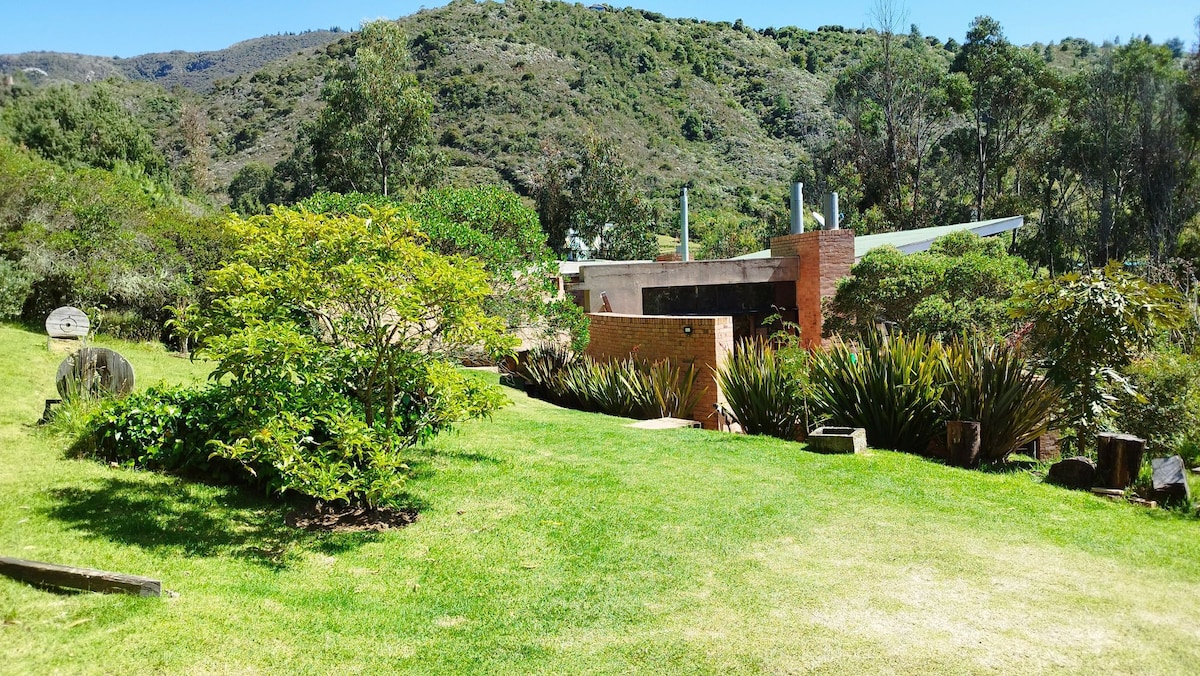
x: 130, y: 28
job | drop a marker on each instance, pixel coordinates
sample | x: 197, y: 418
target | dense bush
x: 98, y: 239
x: 963, y: 283
x: 763, y: 394
x: 168, y: 429
x: 82, y: 125
x: 1167, y: 412
x: 334, y: 341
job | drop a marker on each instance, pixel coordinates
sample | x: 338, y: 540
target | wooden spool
x: 94, y: 371
x: 68, y: 322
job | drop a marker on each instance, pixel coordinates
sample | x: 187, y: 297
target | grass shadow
x: 194, y: 520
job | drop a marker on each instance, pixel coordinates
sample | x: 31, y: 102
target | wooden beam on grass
x: 87, y: 579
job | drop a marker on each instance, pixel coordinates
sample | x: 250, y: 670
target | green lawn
x: 552, y: 541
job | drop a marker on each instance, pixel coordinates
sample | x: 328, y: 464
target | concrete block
x: 837, y: 440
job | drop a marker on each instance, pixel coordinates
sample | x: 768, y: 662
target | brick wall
x: 825, y: 257
x: 616, y: 336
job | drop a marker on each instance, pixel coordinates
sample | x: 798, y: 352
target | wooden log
x: 962, y: 443
x: 1118, y: 459
x: 52, y: 575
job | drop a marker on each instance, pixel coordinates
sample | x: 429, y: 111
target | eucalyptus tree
x: 895, y: 104
x: 1009, y: 97
x: 591, y: 191
x: 373, y: 134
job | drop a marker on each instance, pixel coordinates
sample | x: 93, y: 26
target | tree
x: 592, y: 193
x: 77, y: 125
x: 493, y: 226
x: 1011, y: 93
x: 1164, y: 152
x: 1085, y: 327
x: 552, y: 196
x: 896, y: 107
x: 373, y: 134
x: 193, y: 127
x: 725, y: 235
x: 252, y: 189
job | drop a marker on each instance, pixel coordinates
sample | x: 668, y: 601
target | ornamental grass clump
x: 891, y: 387
x: 630, y: 387
x: 991, y: 383
x: 762, y: 394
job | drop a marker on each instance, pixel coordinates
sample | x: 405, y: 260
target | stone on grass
x: 1078, y: 472
x: 1170, y: 483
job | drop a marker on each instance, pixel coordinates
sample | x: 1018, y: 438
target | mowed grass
x: 552, y: 541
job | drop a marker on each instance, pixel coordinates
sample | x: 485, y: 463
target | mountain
x: 721, y: 106
x: 192, y: 70
x: 728, y: 110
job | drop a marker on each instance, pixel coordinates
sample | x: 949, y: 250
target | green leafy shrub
x: 764, y: 396
x: 335, y: 340
x: 991, y: 383
x: 167, y: 429
x: 963, y: 283
x: 492, y: 225
x: 15, y: 285
x: 1086, y: 327
x: 891, y: 387
x: 1167, y: 412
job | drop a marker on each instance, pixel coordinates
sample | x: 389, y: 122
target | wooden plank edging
x: 53, y: 575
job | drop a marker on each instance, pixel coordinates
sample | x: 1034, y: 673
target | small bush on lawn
x: 335, y: 340
x: 316, y: 447
x: 765, y: 396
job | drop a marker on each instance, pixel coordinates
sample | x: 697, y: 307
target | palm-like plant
x: 892, y: 387
x: 763, y: 396
x: 992, y: 384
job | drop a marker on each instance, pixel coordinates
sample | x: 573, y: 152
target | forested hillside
x: 1095, y: 144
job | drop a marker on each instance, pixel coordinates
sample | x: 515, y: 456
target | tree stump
x: 962, y: 443
x: 1118, y: 459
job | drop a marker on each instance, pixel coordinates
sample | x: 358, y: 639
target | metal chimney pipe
x: 797, y: 209
x: 831, y: 211
x: 683, y: 226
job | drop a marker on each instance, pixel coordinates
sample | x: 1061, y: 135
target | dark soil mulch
x: 344, y: 519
